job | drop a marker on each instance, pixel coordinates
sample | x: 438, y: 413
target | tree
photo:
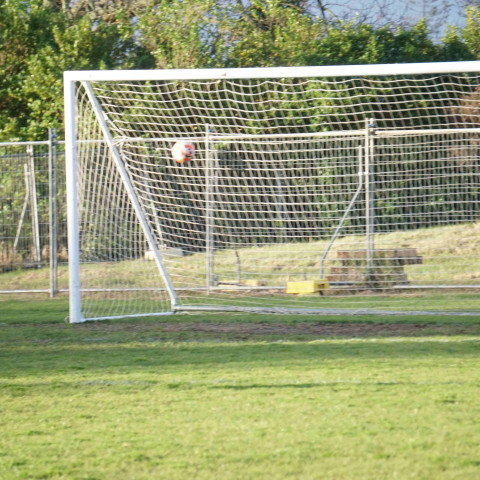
x: 183, y: 34
x: 39, y: 39
x: 74, y: 46
x: 471, y: 32
x: 453, y: 48
x: 23, y: 27
x: 38, y: 44
x: 273, y: 33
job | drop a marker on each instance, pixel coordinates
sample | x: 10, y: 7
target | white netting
x: 116, y: 279
x: 305, y: 105
x: 291, y: 180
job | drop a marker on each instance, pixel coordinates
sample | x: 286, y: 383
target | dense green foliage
x: 39, y: 39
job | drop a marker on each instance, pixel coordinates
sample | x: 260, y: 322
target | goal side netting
x: 314, y: 190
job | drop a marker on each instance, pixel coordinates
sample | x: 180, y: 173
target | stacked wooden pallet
x: 382, y: 269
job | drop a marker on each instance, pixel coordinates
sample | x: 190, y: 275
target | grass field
x: 237, y: 396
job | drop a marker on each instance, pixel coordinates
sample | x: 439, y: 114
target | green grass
x: 426, y: 300
x: 167, y: 398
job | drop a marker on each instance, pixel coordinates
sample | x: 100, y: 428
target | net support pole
x: 37, y: 253
x: 53, y: 211
x: 360, y: 187
x: 101, y: 118
x: 370, y: 201
x: 24, y: 210
x: 72, y: 208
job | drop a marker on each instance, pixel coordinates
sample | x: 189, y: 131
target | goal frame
x: 71, y: 78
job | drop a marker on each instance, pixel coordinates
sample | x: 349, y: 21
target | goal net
x: 314, y: 190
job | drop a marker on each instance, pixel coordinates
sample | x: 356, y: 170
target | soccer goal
x: 339, y: 189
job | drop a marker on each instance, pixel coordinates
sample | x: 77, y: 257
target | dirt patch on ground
x: 248, y: 330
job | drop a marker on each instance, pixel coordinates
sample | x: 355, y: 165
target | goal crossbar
x: 273, y: 72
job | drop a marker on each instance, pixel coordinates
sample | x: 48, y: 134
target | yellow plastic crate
x: 307, y: 286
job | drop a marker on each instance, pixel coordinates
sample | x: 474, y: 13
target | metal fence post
x: 53, y: 208
x: 370, y: 200
x: 209, y: 212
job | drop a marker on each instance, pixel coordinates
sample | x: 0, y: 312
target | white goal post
x: 328, y: 190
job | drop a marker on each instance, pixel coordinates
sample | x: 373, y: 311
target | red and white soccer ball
x: 183, y: 151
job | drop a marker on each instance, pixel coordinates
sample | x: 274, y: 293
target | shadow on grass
x: 32, y: 311
x: 55, y: 311
x: 327, y: 384
x: 34, y: 340
x: 160, y: 358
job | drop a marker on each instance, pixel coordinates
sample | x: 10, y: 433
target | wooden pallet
x: 385, y: 269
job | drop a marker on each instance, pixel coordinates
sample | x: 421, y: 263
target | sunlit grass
x: 131, y: 399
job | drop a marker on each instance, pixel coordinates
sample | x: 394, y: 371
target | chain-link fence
x: 33, y: 232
